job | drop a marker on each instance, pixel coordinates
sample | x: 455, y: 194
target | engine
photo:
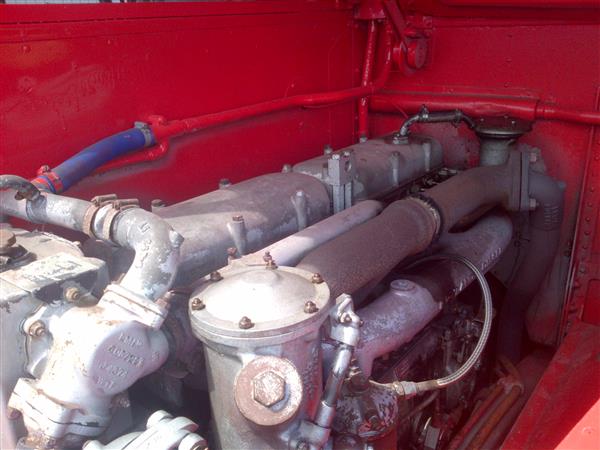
x: 357, y: 300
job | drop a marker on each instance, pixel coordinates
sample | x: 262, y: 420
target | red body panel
x: 70, y: 75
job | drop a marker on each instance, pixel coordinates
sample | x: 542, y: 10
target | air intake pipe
x: 406, y: 227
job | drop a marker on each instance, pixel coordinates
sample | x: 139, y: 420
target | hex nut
x: 197, y: 304
x: 268, y: 388
x: 310, y: 307
x: 317, y: 278
x: 216, y: 276
x: 245, y: 323
x: 73, y: 294
x: 37, y: 329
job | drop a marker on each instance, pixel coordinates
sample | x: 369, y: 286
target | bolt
x: 335, y: 157
x: 397, y: 139
x: 224, y: 182
x: 268, y: 388
x: 287, y: 168
x: 310, y: 307
x: 267, y: 258
x: 197, y: 304
x: 216, y: 276
x: 73, y: 294
x: 327, y: 150
x: 238, y: 218
x: 36, y: 329
x: 245, y: 323
x: 12, y: 413
x: 317, y: 278
x: 157, y: 203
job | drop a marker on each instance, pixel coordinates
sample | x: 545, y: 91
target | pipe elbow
x: 549, y: 195
x: 157, y: 252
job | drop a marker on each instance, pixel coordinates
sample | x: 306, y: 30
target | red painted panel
x: 87, y: 71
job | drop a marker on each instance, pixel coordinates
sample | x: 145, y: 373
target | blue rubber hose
x: 65, y: 175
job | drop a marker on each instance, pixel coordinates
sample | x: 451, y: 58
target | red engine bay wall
x: 73, y: 74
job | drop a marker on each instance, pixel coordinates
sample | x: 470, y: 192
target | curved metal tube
x: 397, y: 316
x: 406, y: 227
x: 424, y: 116
x: 544, y: 222
x: 155, y: 243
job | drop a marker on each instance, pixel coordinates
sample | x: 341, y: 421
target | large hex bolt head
x: 268, y: 388
x: 264, y: 382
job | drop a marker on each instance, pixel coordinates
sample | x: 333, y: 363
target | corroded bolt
x: 271, y: 264
x: 238, y: 218
x: 216, y: 276
x: 245, y: 323
x: 310, y: 307
x: 268, y: 388
x: 197, y: 304
x: 36, y: 329
x: 73, y: 294
x: 316, y: 278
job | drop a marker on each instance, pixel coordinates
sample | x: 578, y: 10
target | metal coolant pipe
x: 290, y: 250
x: 413, y: 301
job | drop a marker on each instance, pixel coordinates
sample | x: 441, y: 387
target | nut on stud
x: 310, y: 307
x: 37, y: 329
x: 216, y: 276
x: 73, y: 294
x: 317, y: 278
x: 197, y: 304
x: 245, y: 323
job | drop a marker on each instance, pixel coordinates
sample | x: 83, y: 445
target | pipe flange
x: 435, y: 210
x: 268, y: 391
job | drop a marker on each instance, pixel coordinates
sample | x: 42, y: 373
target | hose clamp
x: 101, y: 201
x: 435, y: 211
